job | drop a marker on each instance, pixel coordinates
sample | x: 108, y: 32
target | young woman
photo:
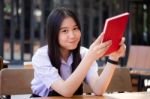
x: 62, y: 65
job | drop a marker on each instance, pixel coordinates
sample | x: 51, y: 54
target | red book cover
x: 114, y: 29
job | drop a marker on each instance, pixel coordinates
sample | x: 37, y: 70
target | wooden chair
x: 15, y: 81
x: 28, y: 65
x: 87, y: 89
x: 1, y: 62
x: 120, y: 82
x: 139, y: 57
x: 139, y: 63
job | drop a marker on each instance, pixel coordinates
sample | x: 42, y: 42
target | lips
x: 72, y: 41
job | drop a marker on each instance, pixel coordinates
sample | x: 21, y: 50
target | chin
x: 72, y: 47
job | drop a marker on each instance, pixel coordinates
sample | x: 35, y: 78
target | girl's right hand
x: 98, y: 48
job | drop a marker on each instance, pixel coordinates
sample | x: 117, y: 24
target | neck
x: 65, y: 54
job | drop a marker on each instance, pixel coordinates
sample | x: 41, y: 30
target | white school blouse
x: 45, y: 74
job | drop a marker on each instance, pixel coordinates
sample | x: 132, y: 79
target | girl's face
x: 69, y: 34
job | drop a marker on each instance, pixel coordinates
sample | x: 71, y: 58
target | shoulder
x: 42, y: 50
x: 83, y: 51
x: 41, y: 56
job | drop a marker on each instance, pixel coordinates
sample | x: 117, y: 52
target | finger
x: 122, y: 49
x: 122, y: 41
x: 105, y: 44
x: 100, y: 38
x: 101, y: 50
x: 102, y: 45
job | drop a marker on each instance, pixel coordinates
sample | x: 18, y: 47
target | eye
x: 76, y: 28
x: 64, y: 31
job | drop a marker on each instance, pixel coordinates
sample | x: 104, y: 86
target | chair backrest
x: 120, y: 82
x: 28, y: 65
x: 15, y: 81
x: 1, y: 62
x: 139, y: 57
x: 87, y: 89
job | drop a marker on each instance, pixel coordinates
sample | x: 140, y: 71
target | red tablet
x: 114, y: 29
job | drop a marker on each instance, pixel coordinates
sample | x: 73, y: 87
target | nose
x: 71, y: 34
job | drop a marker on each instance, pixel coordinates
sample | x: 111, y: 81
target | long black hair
x: 53, y: 24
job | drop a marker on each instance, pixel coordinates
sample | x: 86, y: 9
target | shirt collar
x: 69, y: 61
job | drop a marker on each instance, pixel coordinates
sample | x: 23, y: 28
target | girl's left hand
x: 120, y: 52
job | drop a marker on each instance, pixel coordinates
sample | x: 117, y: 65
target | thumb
x: 100, y: 38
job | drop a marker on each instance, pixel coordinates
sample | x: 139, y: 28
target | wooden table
x: 137, y: 79
x: 131, y: 95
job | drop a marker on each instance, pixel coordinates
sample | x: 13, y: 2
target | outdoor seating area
x: 54, y: 32
x: 133, y: 78
x: 17, y: 82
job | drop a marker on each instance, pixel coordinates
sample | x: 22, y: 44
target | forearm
x: 77, y: 77
x: 104, y: 79
x: 102, y: 82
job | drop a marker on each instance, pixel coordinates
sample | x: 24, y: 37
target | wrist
x: 113, y: 61
x: 90, y: 57
x: 114, y: 58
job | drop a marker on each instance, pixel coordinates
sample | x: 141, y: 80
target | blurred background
x: 22, y: 24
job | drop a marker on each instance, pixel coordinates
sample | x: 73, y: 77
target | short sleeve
x: 94, y: 68
x: 92, y: 71
x: 43, y: 69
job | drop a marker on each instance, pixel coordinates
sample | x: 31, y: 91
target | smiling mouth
x: 73, y: 42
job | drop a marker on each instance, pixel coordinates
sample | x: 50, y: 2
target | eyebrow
x: 67, y: 27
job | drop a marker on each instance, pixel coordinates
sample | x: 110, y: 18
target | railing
x: 19, y: 42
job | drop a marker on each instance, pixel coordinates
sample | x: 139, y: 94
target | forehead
x: 68, y: 22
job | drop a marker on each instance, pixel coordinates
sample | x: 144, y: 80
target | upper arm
x: 44, y: 71
x: 48, y: 74
x: 59, y: 86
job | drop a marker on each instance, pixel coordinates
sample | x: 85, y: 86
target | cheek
x: 79, y: 35
x: 61, y: 38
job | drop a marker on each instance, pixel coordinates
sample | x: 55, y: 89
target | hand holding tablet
x: 114, y: 29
